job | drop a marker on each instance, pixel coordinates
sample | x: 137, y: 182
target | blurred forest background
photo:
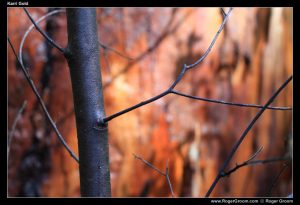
x: 250, y: 60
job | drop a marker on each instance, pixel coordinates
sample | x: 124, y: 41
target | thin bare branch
x: 229, y: 103
x: 223, y: 12
x: 105, y: 47
x: 250, y: 161
x: 212, y: 43
x: 254, y: 162
x: 149, y: 164
x: 43, y: 33
x: 244, y: 134
x: 106, y: 119
x: 237, y: 166
x: 158, y: 170
x: 34, y: 89
x: 178, y: 79
x: 168, y: 178
x: 276, y: 179
x: 255, y: 154
x: 30, y: 29
x: 15, y: 122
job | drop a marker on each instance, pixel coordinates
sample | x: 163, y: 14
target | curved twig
x: 62, y: 50
x: 11, y: 133
x: 105, y: 47
x: 212, y: 43
x: 31, y: 27
x: 254, y: 155
x: 13, y: 128
x: 40, y: 100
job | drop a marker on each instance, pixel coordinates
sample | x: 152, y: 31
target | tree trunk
x: 83, y: 58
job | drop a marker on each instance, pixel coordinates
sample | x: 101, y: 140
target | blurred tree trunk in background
x: 249, y: 61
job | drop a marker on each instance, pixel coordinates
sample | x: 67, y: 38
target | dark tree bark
x: 82, y: 54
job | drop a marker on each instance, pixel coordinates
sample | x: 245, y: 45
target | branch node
x: 67, y: 53
x: 222, y: 174
x: 101, y: 123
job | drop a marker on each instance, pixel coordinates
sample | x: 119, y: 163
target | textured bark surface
x: 84, y: 62
x: 249, y: 61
